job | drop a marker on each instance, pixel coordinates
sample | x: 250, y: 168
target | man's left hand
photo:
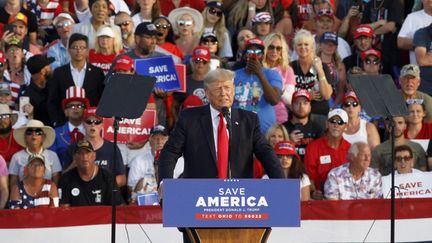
x: 254, y: 66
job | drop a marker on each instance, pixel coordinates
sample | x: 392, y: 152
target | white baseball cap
x: 338, y: 112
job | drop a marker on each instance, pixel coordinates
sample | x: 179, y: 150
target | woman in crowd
x: 243, y: 11
x: 16, y: 71
x: 35, y: 138
x: 165, y: 39
x: 358, y: 130
x: 145, y: 11
x: 99, y: 10
x: 214, y: 22
x: 334, y: 67
x: 262, y: 24
x: 293, y: 167
x: 107, y: 46
x: 188, y: 23
x: 309, y: 72
x: 34, y: 191
x: 277, y: 56
x: 416, y: 127
x: 243, y: 35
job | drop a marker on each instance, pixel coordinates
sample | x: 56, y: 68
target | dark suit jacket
x: 192, y: 137
x: 62, y: 80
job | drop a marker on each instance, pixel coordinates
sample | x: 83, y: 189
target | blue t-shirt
x: 249, y: 95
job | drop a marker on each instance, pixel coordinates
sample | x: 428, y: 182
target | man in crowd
x: 7, y: 142
x: 257, y: 88
x: 381, y: 155
x: 87, y: 184
x: 327, y: 152
x: 73, y: 130
x: 422, y: 48
x: 302, y: 128
x: 124, y: 21
x: 409, y: 81
x: 363, y: 37
x: 404, y: 160
x: 93, y: 125
x: 37, y: 91
x: 58, y: 48
x: 200, y: 135
x: 76, y: 73
x: 355, y: 179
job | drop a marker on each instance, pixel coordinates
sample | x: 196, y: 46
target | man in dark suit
x: 196, y: 135
x: 76, y: 73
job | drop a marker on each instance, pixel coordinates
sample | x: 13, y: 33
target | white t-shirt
x: 413, y: 22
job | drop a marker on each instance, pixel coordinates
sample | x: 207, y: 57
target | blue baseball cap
x: 329, y: 37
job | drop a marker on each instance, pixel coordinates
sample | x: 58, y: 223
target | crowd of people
x: 292, y: 62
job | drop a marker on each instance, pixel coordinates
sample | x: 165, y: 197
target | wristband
x: 251, y: 8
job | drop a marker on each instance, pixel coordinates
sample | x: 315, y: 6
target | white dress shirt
x: 78, y: 75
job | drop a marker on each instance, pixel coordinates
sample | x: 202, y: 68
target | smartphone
x: 24, y: 100
x: 214, y: 64
x: 253, y: 55
x: 9, y: 28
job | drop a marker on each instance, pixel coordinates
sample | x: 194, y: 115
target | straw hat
x: 5, y: 110
x: 175, y: 14
x: 19, y: 135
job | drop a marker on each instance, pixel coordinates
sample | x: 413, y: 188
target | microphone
x: 226, y: 114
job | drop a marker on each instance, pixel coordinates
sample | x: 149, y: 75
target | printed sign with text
x: 162, y: 68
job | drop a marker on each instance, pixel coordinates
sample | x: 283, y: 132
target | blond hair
x: 219, y: 27
x: 304, y: 35
x: 285, y: 59
x: 118, y: 46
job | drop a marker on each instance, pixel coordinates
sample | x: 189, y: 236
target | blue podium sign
x: 162, y: 68
x: 231, y: 203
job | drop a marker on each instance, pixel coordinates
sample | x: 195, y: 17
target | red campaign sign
x: 181, y: 73
x: 131, y: 130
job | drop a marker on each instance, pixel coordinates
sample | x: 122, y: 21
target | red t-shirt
x: 8, y: 147
x: 320, y: 158
x: 425, y: 132
x: 102, y: 61
x: 167, y: 5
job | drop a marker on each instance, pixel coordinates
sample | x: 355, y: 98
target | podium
x: 232, y: 210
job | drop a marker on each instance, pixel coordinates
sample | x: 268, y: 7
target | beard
x: 144, y: 50
x: 300, y: 116
x: 6, y: 130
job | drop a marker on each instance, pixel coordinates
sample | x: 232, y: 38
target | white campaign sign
x: 413, y: 185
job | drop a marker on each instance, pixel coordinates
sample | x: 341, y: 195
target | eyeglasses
x: 215, y: 11
x: 403, y: 158
x: 336, y: 121
x: 37, y: 131
x: 199, y: 60
x: 125, y: 23
x: 185, y: 22
x: 93, y: 121
x: 254, y: 51
x: 80, y: 48
x: 372, y: 61
x: 4, y: 116
x: 414, y: 101
x: 75, y: 106
x: 353, y: 104
x: 209, y: 41
x: 163, y: 26
x: 272, y: 48
x: 63, y: 24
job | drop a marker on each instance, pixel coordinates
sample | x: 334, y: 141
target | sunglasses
x: 125, y: 23
x: 403, y: 158
x: 209, y: 41
x: 4, y: 116
x: 254, y: 51
x: 215, y: 11
x: 414, y: 101
x: 199, y: 60
x: 75, y: 106
x: 336, y: 121
x: 353, y: 104
x: 37, y: 131
x: 272, y: 48
x: 322, y: 12
x: 163, y: 26
x: 93, y: 121
x: 374, y: 61
x: 63, y: 24
x: 185, y: 22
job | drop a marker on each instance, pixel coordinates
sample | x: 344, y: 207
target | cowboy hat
x: 5, y: 110
x: 195, y: 14
x: 19, y: 136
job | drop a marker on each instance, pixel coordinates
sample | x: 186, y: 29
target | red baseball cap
x: 255, y: 42
x: 125, y: 63
x: 370, y: 52
x: 350, y: 94
x: 201, y: 52
x: 285, y: 148
x: 91, y: 111
x: 363, y: 30
x: 301, y: 93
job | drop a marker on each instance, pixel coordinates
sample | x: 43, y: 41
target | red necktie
x: 76, y: 135
x: 222, y: 152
